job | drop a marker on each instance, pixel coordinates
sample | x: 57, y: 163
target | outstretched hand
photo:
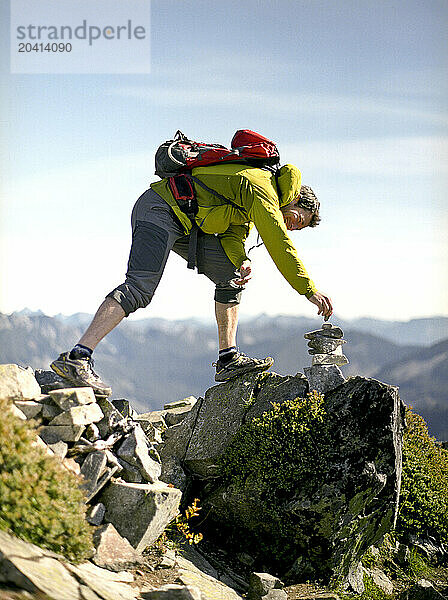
x: 323, y: 303
x: 245, y: 273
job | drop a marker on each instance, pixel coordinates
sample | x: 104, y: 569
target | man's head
x: 303, y: 211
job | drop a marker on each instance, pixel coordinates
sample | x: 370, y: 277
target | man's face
x: 296, y: 217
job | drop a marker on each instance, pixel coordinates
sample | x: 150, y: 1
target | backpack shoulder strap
x: 215, y: 193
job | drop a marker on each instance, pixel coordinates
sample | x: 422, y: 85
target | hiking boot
x: 80, y: 373
x: 240, y: 364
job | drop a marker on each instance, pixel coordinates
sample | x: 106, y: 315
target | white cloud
x: 287, y: 103
x: 401, y: 156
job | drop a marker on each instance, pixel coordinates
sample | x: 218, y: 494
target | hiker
x: 274, y: 203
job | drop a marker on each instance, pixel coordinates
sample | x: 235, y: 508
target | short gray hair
x: 307, y: 199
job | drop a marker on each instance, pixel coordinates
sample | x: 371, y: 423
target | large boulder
x: 18, y: 383
x: 140, y: 512
x: 325, y: 476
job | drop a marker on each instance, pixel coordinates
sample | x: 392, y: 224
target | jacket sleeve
x: 232, y: 241
x: 268, y: 219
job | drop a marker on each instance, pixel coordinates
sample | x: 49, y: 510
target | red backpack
x: 181, y: 154
x: 176, y: 158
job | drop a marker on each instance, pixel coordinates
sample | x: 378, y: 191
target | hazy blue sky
x: 354, y: 93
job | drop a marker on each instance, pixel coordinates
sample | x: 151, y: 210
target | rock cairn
x: 325, y: 346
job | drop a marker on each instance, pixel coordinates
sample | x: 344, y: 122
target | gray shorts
x: 155, y: 232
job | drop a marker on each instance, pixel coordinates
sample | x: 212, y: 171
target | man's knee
x: 228, y: 295
x: 130, y: 298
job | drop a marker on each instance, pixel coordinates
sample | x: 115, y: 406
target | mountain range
x: 154, y: 361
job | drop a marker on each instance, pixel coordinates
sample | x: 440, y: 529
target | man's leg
x: 107, y: 317
x: 227, y: 322
x: 213, y: 262
x: 155, y: 230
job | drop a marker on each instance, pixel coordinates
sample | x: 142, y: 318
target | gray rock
x: 112, y: 417
x: 113, y: 552
x: 381, y: 580
x: 130, y: 473
x: 422, y: 590
x: 71, y: 397
x: 327, y: 331
x: 192, y: 560
x: 134, y: 450
x: 403, y: 555
x: 156, y: 417
x: 153, y: 433
x: 355, y: 577
x: 95, y: 514
x: 176, y: 415
x: 261, y: 583
x: 324, y: 378
x: 276, y: 595
x: 79, y: 415
x: 50, y: 411
x: 173, y: 473
x: 168, y: 559
x: 301, y: 569
x: 18, y: 383
x: 59, y: 448
x: 245, y: 559
x: 30, y: 408
x: 48, y: 380
x: 140, y: 512
x: 44, y: 573
x: 189, y: 401
x: 16, y: 411
x: 92, y: 468
x: 92, y: 433
x: 334, y: 358
x: 220, y: 416
x: 209, y: 586
x: 324, y: 345
x: 173, y: 591
x: 124, y: 407
x: 428, y: 546
x: 177, y: 437
x: 105, y: 477
x: 276, y: 388
x: 35, y: 570
x: 66, y: 433
x: 103, y: 582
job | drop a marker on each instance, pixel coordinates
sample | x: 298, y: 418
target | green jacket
x: 256, y: 200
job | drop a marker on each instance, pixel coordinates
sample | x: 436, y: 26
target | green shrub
x: 262, y: 462
x: 424, y: 489
x: 40, y: 501
x: 255, y: 451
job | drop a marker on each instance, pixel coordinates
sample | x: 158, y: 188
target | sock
x: 80, y: 351
x: 226, y: 355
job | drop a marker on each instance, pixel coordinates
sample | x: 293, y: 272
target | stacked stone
x: 114, y: 450
x: 325, y: 346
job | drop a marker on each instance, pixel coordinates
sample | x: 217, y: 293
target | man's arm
x: 268, y: 219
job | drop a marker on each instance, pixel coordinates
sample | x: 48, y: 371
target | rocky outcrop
x: 39, y: 571
x: 136, y: 467
x: 109, y: 449
x: 339, y: 514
